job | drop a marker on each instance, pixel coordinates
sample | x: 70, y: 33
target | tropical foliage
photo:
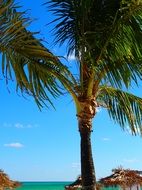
x: 26, y: 56
x: 106, y: 38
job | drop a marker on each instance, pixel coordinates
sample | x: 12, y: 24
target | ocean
x: 51, y: 186
x: 42, y: 185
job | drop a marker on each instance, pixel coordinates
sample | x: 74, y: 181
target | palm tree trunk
x: 87, y: 165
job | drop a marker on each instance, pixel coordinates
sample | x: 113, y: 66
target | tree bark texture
x: 87, y: 165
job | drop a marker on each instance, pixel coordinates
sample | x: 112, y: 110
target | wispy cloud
x: 71, y: 57
x: 75, y: 165
x: 20, y: 125
x: 98, y: 110
x: 14, y: 145
x: 105, y: 139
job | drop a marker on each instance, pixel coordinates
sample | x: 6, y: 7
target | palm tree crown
x: 106, y: 37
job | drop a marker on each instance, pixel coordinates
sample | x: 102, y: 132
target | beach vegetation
x: 6, y: 182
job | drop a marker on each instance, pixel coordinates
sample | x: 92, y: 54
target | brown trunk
x: 87, y: 165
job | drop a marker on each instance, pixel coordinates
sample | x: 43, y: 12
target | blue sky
x: 45, y: 145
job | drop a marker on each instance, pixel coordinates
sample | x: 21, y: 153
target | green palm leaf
x: 24, y: 55
x: 123, y: 107
x: 124, y: 50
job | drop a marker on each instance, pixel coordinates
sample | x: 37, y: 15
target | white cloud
x: 98, y: 110
x: 105, y: 139
x: 71, y: 57
x: 20, y: 125
x: 75, y: 165
x: 14, y: 145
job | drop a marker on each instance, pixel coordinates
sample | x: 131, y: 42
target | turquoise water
x: 50, y: 186
x: 43, y: 185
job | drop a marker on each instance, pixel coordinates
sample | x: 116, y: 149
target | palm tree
x: 106, y: 37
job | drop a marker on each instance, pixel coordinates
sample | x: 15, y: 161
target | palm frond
x: 123, y: 107
x: 123, y: 55
x: 77, y: 21
x: 22, y: 54
x: 105, y: 35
